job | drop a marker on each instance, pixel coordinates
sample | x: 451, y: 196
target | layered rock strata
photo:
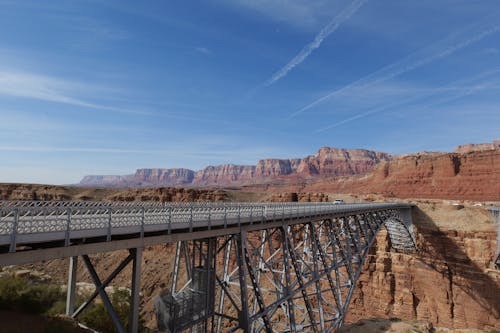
x: 448, y: 282
x: 327, y: 162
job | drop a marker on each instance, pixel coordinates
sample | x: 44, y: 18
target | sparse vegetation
x: 30, y: 296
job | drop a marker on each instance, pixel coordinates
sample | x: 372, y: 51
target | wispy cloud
x: 35, y: 149
x: 424, y: 56
x: 203, y: 50
x: 455, y: 91
x: 51, y: 89
x: 330, y: 28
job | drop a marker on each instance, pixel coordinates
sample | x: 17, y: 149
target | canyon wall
x: 448, y: 282
x: 474, y: 176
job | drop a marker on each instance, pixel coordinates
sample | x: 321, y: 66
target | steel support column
x: 240, y: 254
x: 71, y: 291
x: 136, y: 287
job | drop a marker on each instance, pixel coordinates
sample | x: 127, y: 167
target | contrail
x: 331, y: 27
x: 461, y: 92
x: 401, y: 67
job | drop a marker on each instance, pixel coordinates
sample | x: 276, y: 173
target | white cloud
x: 50, y: 89
x: 424, y: 56
x: 330, y: 28
x: 445, y: 94
x: 203, y: 50
x: 301, y: 13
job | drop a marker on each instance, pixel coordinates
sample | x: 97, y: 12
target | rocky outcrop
x: 108, y: 181
x: 298, y: 197
x: 467, y: 148
x: 161, y: 194
x: 168, y: 194
x: 164, y: 177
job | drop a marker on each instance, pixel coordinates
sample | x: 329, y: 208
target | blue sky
x: 105, y: 87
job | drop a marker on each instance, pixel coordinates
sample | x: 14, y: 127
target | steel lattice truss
x: 289, y: 278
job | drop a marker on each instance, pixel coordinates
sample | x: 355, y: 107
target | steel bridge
x: 249, y: 267
x: 495, y: 214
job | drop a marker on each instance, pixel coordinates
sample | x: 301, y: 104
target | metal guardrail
x: 24, y: 222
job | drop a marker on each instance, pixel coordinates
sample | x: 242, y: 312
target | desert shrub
x: 98, y: 318
x: 20, y: 294
x: 31, y: 296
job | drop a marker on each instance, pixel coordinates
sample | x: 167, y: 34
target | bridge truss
x: 288, y: 278
x: 250, y: 267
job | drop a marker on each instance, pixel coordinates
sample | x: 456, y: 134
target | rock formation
x: 327, y: 161
x: 448, y: 282
x: 473, y: 176
x: 164, y: 177
x: 478, y: 147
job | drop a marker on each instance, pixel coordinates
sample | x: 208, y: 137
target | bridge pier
x: 135, y: 256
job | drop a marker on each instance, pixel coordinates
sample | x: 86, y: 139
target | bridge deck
x: 34, y: 224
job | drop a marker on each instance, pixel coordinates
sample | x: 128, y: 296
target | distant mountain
x: 326, y: 162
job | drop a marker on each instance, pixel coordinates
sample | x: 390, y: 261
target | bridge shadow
x: 439, y: 251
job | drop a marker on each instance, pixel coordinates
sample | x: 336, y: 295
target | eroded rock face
x: 164, y: 177
x: 161, y: 194
x: 271, y: 168
x: 478, y: 147
x: 224, y: 175
x: 468, y: 176
x: 108, y: 181
x: 447, y: 283
x: 326, y: 162
x: 298, y: 197
x: 474, y: 175
x: 342, y: 162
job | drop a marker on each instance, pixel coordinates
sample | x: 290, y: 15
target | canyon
x: 449, y: 282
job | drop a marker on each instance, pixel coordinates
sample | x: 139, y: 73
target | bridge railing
x: 35, y: 221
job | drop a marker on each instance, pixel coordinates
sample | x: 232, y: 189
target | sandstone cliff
x: 326, y: 162
x: 448, y: 282
x: 223, y: 175
x: 474, y: 176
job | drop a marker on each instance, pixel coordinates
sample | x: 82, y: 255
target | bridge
x: 250, y: 267
x: 495, y: 214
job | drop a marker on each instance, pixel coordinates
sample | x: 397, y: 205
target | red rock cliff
x: 447, y: 282
x: 473, y: 176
